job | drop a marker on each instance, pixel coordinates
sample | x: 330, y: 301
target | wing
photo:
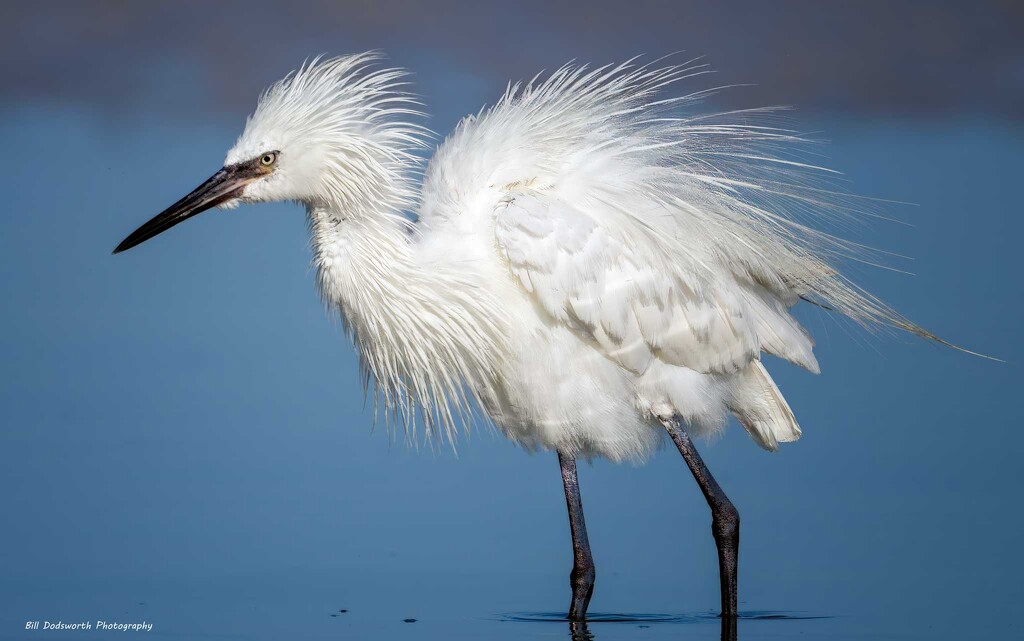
x: 635, y: 305
x: 717, y: 198
x: 655, y: 234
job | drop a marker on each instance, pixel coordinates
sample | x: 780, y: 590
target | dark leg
x: 725, y: 520
x: 582, y: 577
x: 728, y: 628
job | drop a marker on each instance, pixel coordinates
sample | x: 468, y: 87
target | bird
x: 591, y: 264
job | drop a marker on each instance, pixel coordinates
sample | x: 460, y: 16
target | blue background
x: 184, y: 438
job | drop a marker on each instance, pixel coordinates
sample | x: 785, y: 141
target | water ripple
x: 647, y: 617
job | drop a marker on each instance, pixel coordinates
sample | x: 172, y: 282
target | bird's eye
x: 268, y: 158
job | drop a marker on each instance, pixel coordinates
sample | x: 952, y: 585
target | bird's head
x: 334, y: 133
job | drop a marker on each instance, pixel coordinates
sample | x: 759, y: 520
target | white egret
x: 590, y: 264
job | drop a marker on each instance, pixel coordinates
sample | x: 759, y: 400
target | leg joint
x: 582, y: 577
x: 725, y: 521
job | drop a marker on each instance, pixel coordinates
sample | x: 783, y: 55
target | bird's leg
x: 728, y: 629
x: 582, y: 577
x: 725, y: 519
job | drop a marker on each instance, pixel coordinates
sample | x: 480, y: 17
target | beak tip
x: 219, y: 188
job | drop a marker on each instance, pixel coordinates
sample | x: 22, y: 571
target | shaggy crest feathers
x: 351, y: 123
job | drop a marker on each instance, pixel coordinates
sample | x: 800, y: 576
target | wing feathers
x: 659, y: 237
x: 630, y: 303
x: 761, y: 409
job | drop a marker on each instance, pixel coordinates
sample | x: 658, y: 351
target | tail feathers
x: 760, y: 408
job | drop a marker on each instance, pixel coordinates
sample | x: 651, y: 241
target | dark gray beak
x: 220, y: 188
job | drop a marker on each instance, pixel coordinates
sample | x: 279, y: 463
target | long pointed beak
x: 218, y: 189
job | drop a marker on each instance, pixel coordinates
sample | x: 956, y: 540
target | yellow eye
x: 268, y: 158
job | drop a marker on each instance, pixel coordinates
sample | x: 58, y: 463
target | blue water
x: 184, y: 440
x: 435, y: 606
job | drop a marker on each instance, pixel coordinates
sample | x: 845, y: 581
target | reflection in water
x: 601, y: 617
x: 580, y: 630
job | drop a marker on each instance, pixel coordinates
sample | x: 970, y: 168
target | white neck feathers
x: 426, y: 334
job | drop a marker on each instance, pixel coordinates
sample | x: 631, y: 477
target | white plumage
x: 592, y: 262
x: 591, y: 256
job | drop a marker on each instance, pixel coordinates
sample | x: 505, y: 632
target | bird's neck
x: 354, y: 251
x: 428, y: 335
